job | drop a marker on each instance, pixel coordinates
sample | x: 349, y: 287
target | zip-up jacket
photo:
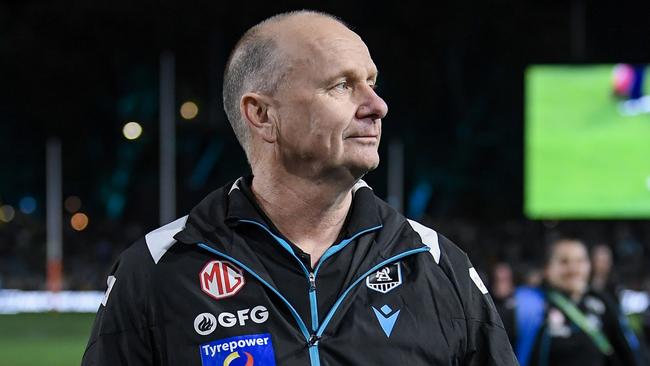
x: 222, y: 286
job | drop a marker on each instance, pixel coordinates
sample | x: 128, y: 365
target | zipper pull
x: 313, y: 340
x: 312, y: 281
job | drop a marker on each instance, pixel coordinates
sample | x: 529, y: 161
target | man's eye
x: 343, y: 85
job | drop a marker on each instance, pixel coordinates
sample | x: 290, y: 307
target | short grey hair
x: 256, y: 64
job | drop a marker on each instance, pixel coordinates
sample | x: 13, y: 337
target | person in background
x: 502, y: 288
x: 564, y: 322
x: 602, y: 278
x: 628, y: 80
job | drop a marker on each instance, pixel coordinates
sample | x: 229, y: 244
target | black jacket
x: 195, y: 292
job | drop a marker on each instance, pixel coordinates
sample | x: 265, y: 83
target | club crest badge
x: 386, y: 278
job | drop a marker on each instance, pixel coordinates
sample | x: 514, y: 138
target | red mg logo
x: 221, y: 279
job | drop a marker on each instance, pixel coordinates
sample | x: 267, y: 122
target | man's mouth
x: 369, y: 136
x: 365, y: 139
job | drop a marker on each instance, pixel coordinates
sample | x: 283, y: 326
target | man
x: 298, y: 264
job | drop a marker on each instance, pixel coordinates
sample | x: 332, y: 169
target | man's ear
x: 256, y: 109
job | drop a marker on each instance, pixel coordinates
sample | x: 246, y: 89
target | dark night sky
x: 451, y: 74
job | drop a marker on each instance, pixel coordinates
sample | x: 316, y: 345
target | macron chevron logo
x: 386, y: 320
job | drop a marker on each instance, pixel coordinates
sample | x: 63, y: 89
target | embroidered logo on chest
x: 386, y: 278
x: 221, y: 279
x: 206, y: 323
x: 387, y: 318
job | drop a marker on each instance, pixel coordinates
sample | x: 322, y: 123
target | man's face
x: 329, y: 116
x: 568, y: 268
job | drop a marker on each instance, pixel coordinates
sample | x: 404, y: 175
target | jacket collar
x: 363, y: 214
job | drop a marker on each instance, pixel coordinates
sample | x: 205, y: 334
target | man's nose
x: 372, y: 106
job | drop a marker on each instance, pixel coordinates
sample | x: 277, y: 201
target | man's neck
x: 310, y: 214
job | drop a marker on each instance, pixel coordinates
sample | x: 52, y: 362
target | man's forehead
x: 306, y: 36
x: 328, y: 44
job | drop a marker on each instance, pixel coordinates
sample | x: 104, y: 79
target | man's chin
x: 361, y: 168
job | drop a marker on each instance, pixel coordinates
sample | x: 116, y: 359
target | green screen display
x: 587, y: 142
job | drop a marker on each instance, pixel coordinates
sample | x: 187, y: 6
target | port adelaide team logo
x: 221, y: 279
x: 385, y: 279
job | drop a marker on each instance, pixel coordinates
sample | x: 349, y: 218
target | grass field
x: 43, y: 339
x: 583, y: 158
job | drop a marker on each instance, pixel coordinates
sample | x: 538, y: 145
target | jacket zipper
x: 311, y: 274
x: 313, y: 303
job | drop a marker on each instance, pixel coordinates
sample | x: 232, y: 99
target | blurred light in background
x: 419, y: 200
x: 115, y: 205
x: 27, y: 205
x: 189, y: 110
x: 79, y: 221
x: 6, y: 213
x: 72, y: 204
x: 132, y: 130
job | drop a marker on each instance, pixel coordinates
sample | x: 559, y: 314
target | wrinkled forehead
x: 338, y: 48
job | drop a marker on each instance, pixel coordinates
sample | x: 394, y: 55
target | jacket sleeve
x: 487, y: 342
x: 120, y: 333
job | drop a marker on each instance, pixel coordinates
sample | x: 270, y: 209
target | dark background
x: 452, y: 74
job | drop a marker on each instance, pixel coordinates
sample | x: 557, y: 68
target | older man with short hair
x: 298, y: 263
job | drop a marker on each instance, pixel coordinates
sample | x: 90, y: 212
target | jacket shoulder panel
x: 160, y: 240
x: 429, y: 238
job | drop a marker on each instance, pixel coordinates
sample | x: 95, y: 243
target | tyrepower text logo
x: 245, y: 350
x: 221, y: 279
